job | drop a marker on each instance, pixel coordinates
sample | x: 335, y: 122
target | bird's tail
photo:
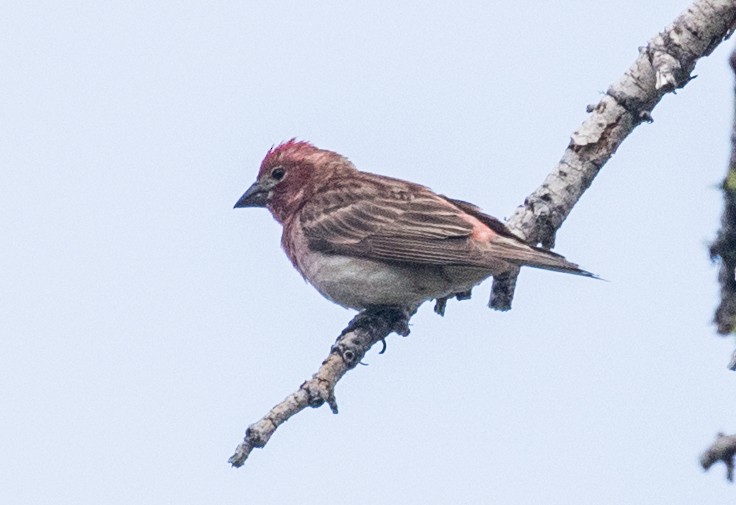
x: 522, y: 254
x: 549, y: 260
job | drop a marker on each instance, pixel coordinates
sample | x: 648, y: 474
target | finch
x: 365, y: 240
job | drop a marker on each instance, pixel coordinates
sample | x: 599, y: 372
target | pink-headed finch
x: 365, y: 240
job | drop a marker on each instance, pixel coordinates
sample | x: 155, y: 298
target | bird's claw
x: 383, y: 346
x: 397, y: 319
x: 464, y: 295
x: 441, y: 303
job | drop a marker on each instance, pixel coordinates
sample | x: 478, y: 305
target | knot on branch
x: 667, y: 57
x: 638, y: 107
x: 256, y: 436
x: 319, y: 392
x: 350, y: 350
x: 546, y: 219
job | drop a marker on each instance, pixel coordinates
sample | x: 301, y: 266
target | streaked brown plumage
x: 365, y: 240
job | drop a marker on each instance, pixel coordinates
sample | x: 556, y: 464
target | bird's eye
x: 278, y: 173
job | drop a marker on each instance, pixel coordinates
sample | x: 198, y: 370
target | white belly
x: 359, y: 283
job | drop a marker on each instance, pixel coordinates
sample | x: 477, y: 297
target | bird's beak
x: 255, y: 196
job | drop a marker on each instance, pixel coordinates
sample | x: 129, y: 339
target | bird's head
x: 290, y: 173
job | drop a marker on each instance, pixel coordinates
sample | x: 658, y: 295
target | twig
x: 724, y: 247
x: 663, y: 66
x: 723, y: 449
x: 366, y: 329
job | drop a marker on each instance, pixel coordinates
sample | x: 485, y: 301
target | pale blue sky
x: 146, y: 323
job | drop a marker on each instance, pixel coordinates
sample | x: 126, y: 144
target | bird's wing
x: 394, y: 221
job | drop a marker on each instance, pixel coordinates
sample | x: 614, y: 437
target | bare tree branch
x: 723, y: 449
x: 724, y: 247
x: 366, y: 329
x: 663, y: 66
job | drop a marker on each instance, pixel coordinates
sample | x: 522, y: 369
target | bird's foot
x: 441, y: 303
x: 464, y: 295
x: 387, y: 317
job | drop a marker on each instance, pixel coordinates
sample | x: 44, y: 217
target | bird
x: 366, y: 241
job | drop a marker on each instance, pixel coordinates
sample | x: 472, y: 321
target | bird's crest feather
x: 292, y: 150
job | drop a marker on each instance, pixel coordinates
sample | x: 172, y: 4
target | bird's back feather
x: 396, y: 221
